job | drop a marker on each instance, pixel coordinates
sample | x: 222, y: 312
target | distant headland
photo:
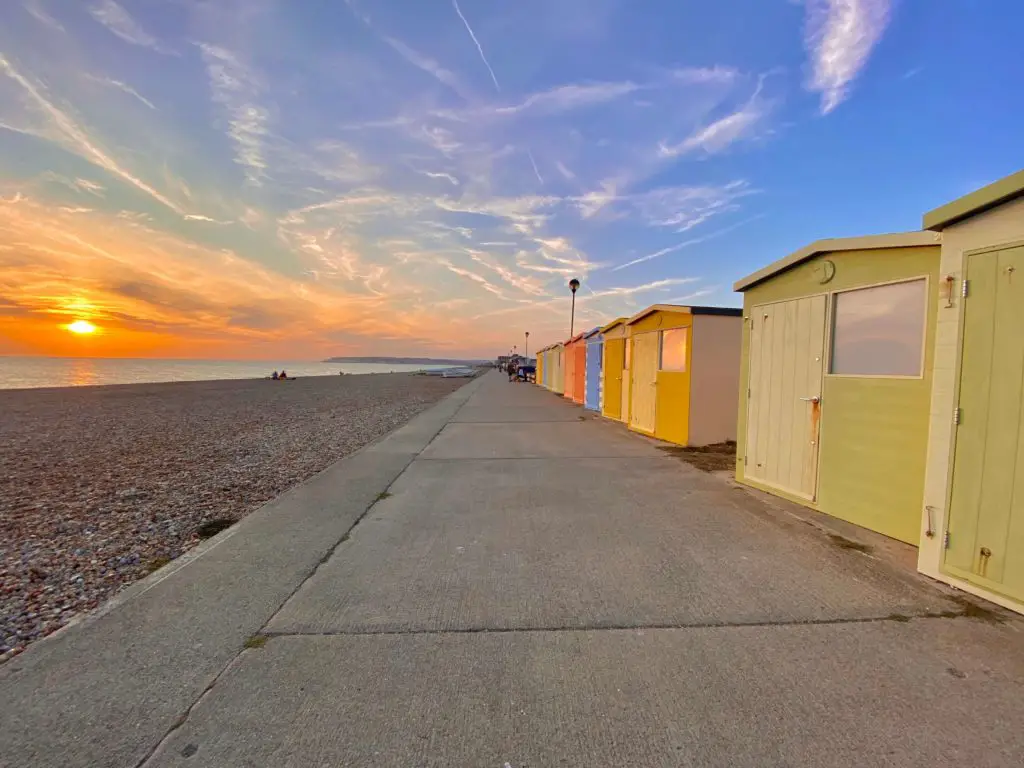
x: 402, y: 360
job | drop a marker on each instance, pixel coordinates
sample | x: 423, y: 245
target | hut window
x: 879, y: 331
x: 673, y: 350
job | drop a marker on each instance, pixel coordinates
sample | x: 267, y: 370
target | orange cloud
x: 151, y: 293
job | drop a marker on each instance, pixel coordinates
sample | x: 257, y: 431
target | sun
x: 81, y: 327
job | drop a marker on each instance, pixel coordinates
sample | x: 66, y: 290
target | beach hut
x: 971, y: 522
x: 837, y: 365
x: 557, y: 359
x: 592, y: 386
x: 574, y: 367
x: 614, y: 384
x: 539, y: 375
x: 684, y: 373
x: 579, y: 368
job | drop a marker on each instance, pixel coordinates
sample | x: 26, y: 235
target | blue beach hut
x: 592, y: 386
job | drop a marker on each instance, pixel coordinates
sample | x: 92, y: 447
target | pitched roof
x: 614, y: 323
x: 978, y: 201
x: 685, y: 309
x: 834, y: 244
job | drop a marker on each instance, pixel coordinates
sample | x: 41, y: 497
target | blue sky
x: 247, y: 178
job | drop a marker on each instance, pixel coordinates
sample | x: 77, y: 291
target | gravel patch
x: 99, y: 486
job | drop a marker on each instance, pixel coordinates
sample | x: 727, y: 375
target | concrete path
x: 510, y: 581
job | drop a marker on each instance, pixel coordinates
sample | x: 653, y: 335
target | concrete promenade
x: 510, y: 581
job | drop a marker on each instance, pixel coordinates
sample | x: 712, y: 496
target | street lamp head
x: 574, y: 284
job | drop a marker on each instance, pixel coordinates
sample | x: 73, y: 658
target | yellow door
x: 786, y: 353
x: 985, y: 532
x: 627, y: 354
x: 643, y: 389
x: 611, y: 405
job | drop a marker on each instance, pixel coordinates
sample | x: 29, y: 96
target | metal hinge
x: 748, y: 393
x: 964, y: 288
x: 945, y: 540
x: 957, y: 414
x: 744, y: 461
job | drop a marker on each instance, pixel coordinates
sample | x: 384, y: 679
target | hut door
x: 787, y: 344
x: 985, y: 532
x: 645, y: 379
x: 611, y: 376
x: 627, y: 356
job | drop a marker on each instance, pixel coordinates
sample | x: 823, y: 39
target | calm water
x: 31, y: 372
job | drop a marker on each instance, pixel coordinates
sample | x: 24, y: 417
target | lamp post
x: 526, y: 348
x: 574, y: 284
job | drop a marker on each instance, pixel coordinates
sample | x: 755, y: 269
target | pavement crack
x: 184, y: 716
x: 888, y: 618
x: 180, y: 721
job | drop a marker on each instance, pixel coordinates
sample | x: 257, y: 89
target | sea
x: 35, y: 372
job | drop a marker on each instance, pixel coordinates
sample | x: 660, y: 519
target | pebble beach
x: 100, y: 486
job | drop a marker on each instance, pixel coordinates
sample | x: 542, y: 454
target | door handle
x: 814, y: 399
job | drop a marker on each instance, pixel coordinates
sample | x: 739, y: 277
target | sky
x: 297, y: 179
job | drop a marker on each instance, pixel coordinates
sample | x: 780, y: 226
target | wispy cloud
x: 36, y: 9
x: 534, y: 164
x: 718, y: 135
x: 123, y: 87
x: 120, y: 22
x: 685, y: 244
x: 74, y: 137
x: 476, y: 42
x: 524, y: 283
x: 480, y: 280
x: 237, y: 90
x: 595, y: 200
x: 698, y: 294
x: 680, y: 207
x: 438, y: 175
x: 654, y: 285
x: 571, y: 96
x: 90, y: 186
x: 566, y: 173
x: 201, y: 217
x: 839, y: 37
x: 724, y: 132
x: 78, y: 185
x: 430, y: 66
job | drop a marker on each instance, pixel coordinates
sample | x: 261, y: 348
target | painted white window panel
x: 673, y: 350
x: 879, y: 331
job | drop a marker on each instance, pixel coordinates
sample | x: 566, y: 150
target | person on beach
x: 275, y: 376
x: 283, y: 375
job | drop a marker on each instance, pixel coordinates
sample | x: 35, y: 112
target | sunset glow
x: 82, y: 327
x: 229, y: 180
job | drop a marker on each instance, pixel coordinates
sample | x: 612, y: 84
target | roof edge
x: 973, y: 203
x: 838, y: 244
x: 657, y: 308
x: 685, y: 309
x: 616, y: 322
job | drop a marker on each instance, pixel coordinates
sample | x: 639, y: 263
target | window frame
x: 685, y: 329
x: 833, y: 301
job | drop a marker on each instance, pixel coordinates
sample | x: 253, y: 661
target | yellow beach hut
x: 971, y: 523
x: 837, y: 361
x: 556, y: 358
x: 684, y: 366
x: 615, y: 389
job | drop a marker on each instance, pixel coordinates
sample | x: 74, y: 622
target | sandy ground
x: 101, y: 485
